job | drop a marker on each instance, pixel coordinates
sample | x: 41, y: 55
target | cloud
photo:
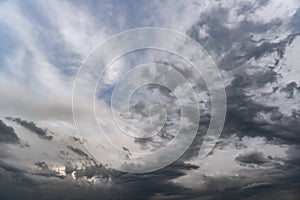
x: 42, y: 133
x: 290, y: 89
x: 250, y: 41
x: 252, y: 158
x: 78, y: 151
x: 7, y: 134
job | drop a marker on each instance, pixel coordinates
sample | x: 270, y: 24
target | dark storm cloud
x: 291, y: 88
x: 26, y: 177
x: 282, y: 180
x: 31, y: 126
x: 237, y: 46
x: 147, y: 185
x: 20, y: 184
x: 237, y: 43
x: 242, y: 112
x: 7, y: 134
x: 279, y: 182
x: 123, y: 185
x: 44, y: 171
x: 81, y: 153
x: 23, y: 175
x: 252, y: 158
x: 261, y: 191
x: 78, y: 151
x: 14, y: 184
x: 232, y: 48
x: 41, y: 165
x: 10, y: 168
x: 236, y: 187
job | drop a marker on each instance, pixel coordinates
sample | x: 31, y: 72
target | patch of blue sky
x: 35, y: 14
x: 122, y: 65
x: 295, y: 22
x: 8, y: 43
x: 120, y: 14
x: 50, y: 40
x: 105, y: 93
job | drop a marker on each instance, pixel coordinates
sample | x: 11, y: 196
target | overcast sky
x: 255, y: 45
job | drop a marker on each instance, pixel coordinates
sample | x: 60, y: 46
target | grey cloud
x: 7, y: 134
x: 241, y: 119
x: 290, y: 89
x: 81, y: 153
x: 31, y: 126
x: 139, y: 108
x: 232, y: 49
x: 18, y: 184
x: 236, y: 43
x: 252, y: 158
x: 44, y: 171
x: 78, y: 151
x: 42, y: 165
x: 112, y: 185
x: 96, y: 171
x: 251, y: 6
x: 23, y: 175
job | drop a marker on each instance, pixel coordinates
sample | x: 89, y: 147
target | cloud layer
x: 255, y: 45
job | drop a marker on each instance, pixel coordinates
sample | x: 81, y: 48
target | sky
x: 54, y: 99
